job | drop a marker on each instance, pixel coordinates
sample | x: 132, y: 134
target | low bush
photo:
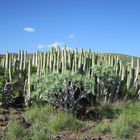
x: 127, y: 122
x: 45, y: 123
x: 102, y: 128
x: 63, y: 120
x: 16, y: 132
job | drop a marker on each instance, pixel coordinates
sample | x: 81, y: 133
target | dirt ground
x: 12, y: 113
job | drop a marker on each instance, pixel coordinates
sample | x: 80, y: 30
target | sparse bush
x: 16, y: 132
x: 102, y: 128
x: 44, y: 124
x: 38, y: 113
x: 63, y: 120
x: 106, y: 111
x: 41, y: 135
x: 128, y: 120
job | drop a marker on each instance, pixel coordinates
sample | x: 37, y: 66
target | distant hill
x: 126, y: 59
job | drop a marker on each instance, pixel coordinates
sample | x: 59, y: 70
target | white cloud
x: 41, y: 46
x: 55, y: 44
x: 71, y: 36
x: 29, y: 29
x: 60, y: 44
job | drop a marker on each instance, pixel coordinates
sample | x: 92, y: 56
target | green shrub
x: 16, y: 132
x: 106, y: 111
x: 63, y: 90
x: 2, y: 81
x: 45, y: 121
x: 127, y: 122
x: 2, y: 70
x: 121, y: 128
x: 38, y: 113
x: 63, y: 120
x: 102, y: 128
x: 33, y: 69
x: 41, y: 135
x: 45, y: 86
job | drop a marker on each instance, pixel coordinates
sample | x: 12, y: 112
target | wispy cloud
x: 41, y: 46
x: 71, y: 36
x: 29, y: 29
x: 60, y: 44
x: 55, y: 44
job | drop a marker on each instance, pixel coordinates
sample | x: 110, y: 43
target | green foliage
x: 106, y: 75
x: 41, y: 135
x: 122, y: 124
x: 50, y: 84
x: 123, y: 87
x: 2, y: 71
x: 128, y: 90
x: 63, y: 120
x: 16, y: 132
x: 122, y: 129
x: 45, y: 121
x: 102, y: 128
x: 2, y: 81
x: 106, y: 83
x: 38, y: 113
x: 38, y: 117
x: 33, y: 69
x: 127, y: 122
x: 131, y: 90
x: 16, y: 93
x: 106, y: 111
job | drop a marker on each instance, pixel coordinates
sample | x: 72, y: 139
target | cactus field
x: 83, y: 83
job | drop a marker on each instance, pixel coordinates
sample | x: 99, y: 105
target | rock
x: 58, y: 137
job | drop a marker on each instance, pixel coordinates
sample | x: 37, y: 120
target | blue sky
x: 102, y: 25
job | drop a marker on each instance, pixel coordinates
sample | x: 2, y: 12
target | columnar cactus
x: 61, y: 60
x: 7, y: 61
x: 24, y: 61
x: 10, y: 69
x: 28, y: 92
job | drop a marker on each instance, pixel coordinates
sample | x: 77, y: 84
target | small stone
x: 58, y: 137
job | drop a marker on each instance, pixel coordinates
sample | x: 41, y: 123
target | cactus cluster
x: 59, y: 60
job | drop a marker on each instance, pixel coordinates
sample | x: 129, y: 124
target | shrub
x: 62, y: 90
x: 38, y: 113
x: 2, y: 81
x: 41, y: 135
x: 63, y: 120
x: 127, y: 122
x: 121, y: 128
x: 45, y: 86
x: 45, y: 121
x: 102, y: 128
x: 16, y: 132
x: 106, y: 111
x: 106, y: 83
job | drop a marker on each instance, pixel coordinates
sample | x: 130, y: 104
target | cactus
x: 10, y: 73
x: 61, y: 60
x: 7, y: 61
x: 24, y: 61
x: 28, y: 92
x: 21, y: 61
